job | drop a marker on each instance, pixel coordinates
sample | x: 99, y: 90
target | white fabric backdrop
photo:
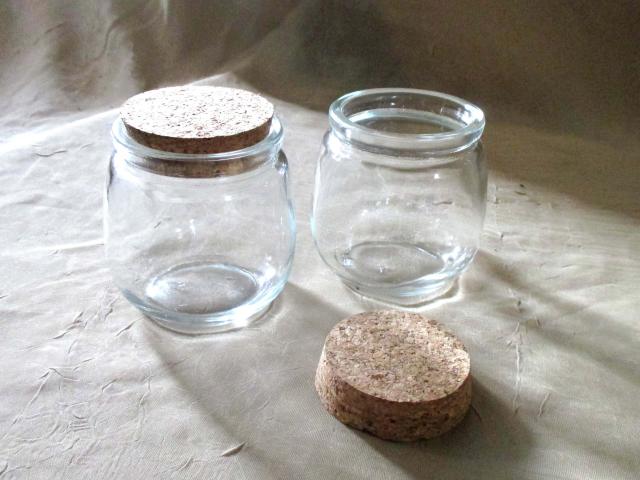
x: 548, y: 310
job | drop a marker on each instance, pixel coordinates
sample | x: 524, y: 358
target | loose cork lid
x: 197, y: 119
x: 397, y: 375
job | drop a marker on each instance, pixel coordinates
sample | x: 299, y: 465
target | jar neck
x: 196, y: 165
x: 406, y: 122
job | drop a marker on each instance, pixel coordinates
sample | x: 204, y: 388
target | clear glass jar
x: 400, y: 192
x: 199, y: 242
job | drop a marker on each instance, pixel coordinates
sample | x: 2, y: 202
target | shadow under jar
x: 199, y: 242
x: 400, y: 192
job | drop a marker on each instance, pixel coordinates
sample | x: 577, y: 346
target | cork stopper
x: 397, y: 375
x: 197, y: 120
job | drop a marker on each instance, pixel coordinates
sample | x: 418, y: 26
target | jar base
x: 401, y: 273
x: 403, y: 296
x: 204, y: 297
x: 202, y: 326
x: 202, y: 287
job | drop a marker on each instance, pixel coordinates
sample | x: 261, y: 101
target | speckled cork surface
x: 397, y: 375
x: 197, y: 119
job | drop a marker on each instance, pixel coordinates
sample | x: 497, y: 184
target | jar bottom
x: 205, y: 297
x: 402, y: 273
x: 403, y: 296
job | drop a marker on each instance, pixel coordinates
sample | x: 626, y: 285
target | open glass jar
x: 199, y: 242
x: 400, y: 192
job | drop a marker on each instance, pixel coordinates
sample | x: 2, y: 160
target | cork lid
x: 397, y: 356
x: 396, y: 375
x: 197, y: 119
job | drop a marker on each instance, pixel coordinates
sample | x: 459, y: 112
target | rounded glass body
x: 400, y: 192
x: 199, y: 242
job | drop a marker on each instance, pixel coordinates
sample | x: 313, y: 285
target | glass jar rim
x: 122, y: 139
x: 442, y: 142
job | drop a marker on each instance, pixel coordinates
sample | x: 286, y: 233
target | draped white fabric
x: 549, y: 309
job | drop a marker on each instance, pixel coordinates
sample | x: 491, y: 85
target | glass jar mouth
x: 122, y: 140
x: 406, y: 120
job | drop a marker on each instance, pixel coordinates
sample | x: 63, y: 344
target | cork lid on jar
x: 197, y: 120
x: 397, y: 375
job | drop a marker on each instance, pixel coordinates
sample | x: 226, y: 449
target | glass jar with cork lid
x: 199, y: 225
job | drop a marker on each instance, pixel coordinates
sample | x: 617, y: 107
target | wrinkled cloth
x: 548, y: 310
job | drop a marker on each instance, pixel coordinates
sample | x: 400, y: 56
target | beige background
x: 548, y: 310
